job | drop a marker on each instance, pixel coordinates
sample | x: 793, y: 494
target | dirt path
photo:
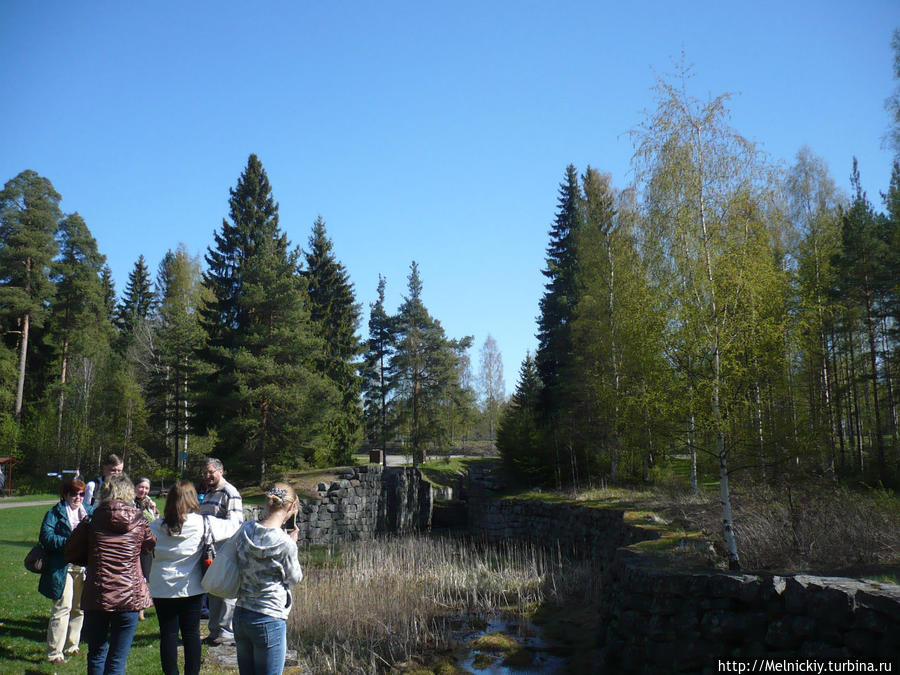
x: 8, y: 505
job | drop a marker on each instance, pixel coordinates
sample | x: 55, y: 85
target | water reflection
x: 532, y: 647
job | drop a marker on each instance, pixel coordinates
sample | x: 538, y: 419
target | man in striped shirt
x: 222, y: 500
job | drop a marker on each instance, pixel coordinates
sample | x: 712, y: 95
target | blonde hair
x: 117, y: 486
x: 280, y: 496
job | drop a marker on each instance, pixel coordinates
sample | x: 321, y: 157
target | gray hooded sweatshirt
x: 267, y: 558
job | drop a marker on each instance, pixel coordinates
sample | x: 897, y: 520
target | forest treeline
x: 723, y: 311
x: 253, y: 354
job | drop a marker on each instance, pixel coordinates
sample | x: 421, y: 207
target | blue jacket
x: 55, y: 530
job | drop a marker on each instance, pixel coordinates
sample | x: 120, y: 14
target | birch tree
x: 700, y: 174
x: 491, y: 383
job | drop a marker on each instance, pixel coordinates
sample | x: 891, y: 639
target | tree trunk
x: 23, y: 352
x: 851, y: 378
x: 836, y: 395
x: 62, y: 398
x: 693, y: 448
x: 873, y: 363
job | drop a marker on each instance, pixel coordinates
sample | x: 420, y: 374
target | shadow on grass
x: 146, y: 640
x: 33, y: 628
x: 29, y: 663
x: 18, y: 544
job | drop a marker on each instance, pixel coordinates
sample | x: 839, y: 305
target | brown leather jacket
x: 110, y: 544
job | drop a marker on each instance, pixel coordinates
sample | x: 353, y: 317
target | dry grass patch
x: 392, y: 600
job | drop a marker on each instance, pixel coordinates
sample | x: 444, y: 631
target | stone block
x: 729, y: 626
x: 823, y: 651
x: 780, y: 636
x: 883, y: 598
x: 870, y: 620
x: 803, y: 627
x: 862, y: 642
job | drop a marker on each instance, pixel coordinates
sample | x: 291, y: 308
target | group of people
x: 111, y: 556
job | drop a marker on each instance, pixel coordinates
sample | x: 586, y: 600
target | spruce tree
x: 554, y: 352
x: 109, y: 294
x: 259, y: 388
x: 177, y: 337
x: 424, y: 371
x: 137, y: 303
x: 518, y: 435
x: 252, y: 217
x: 335, y: 313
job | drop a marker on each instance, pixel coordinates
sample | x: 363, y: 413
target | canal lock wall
x: 363, y: 502
x: 663, y: 611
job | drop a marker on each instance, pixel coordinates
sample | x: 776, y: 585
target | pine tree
x: 864, y: 277
x: 336, y: 315
x: 376, y: 382
x: 29, y: 216
x: 78, y: 317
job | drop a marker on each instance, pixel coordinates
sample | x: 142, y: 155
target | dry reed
x: 393, y: 599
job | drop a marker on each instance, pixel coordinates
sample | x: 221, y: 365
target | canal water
x: 490, y: 663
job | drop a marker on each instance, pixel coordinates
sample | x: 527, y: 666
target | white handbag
x: 223, y: 577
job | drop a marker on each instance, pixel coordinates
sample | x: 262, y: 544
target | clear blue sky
x: 435, y: 132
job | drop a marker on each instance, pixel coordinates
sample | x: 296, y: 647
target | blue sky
x: 435, y: 132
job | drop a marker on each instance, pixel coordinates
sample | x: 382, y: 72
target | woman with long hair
x: 147, y: 507
x: 176, y: 573
x: 61, y: 581
x: 110, y: 544
x: 267, y: 558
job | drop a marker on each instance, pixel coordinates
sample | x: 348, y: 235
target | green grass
x: 445, y: 471
x: 24, y: 612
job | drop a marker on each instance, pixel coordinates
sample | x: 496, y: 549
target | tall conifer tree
x: 137, y: 303
x: 260, y: 388
x: 29, y: 215
x: 376, y: 382
x: 554, y: 356
x: 78, y: 326
x: 424, y: 370
x: 336, y: 314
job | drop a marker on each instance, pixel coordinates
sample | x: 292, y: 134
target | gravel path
x: 8, y: 505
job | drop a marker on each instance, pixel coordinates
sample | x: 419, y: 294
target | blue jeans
x: 108, y: 636
x: 179, y: 614
x: 261, y: 642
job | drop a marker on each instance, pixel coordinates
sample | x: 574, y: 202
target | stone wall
x: 660, y: 615
x: 656, y: 619
x: 363, y: 502
x: 597, y: 532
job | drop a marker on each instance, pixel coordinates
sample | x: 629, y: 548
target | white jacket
x: 176, y: 561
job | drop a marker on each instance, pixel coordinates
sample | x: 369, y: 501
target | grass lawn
x: 24, y: 612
